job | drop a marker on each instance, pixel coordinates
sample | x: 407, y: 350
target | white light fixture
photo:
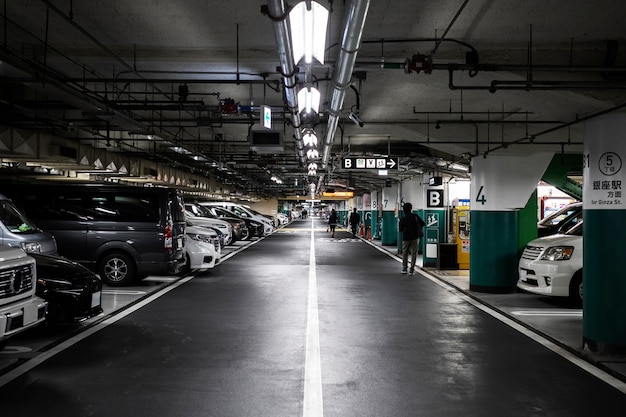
x: 312, y: 173
x: 308, y: 31
x: 312, y: 165
x: 312, y: 154
x: 309, y: 138
x: 308, y: 100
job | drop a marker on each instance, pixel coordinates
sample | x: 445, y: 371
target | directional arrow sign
x: 380, y: 162
x: 266, y: 116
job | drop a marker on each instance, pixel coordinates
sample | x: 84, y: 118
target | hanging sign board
x: 266, y: 117
x: 383, y: 162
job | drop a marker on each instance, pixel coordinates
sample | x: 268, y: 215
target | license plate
x: 96, y: 299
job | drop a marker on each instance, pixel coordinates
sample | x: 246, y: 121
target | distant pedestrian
x: 411, y: 228
x: 332, y: 222
x: 355, y: 219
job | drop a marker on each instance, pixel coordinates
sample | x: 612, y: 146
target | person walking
x: 354, y: 220
x: 332, y: 222
x: 411, y: 228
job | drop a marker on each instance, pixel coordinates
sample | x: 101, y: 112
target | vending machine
x: 461, y: 218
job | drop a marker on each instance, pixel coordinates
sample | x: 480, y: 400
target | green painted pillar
x: 493, y: 251
x: 389, y: 229
x: 604, y: 214
x: 500, y: 190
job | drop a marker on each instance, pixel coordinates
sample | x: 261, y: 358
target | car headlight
x: 200, y: 237
x: 33, y: 247
x: 557, y: 253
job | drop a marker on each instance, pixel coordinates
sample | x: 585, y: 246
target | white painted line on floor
x: 549, y: 313
x: 44, y: 356
x: 313, y: 404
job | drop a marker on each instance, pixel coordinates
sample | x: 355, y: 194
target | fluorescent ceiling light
x: 312, y: 154
x: 308, y: 32
x: 308, y: 100
x: 309, y: 138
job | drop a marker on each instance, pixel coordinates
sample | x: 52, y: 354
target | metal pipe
x: 350, y: 44
x: 275, y: 9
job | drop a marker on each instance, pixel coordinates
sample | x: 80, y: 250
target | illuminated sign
x: 266, y: 117
x: 338, y: 194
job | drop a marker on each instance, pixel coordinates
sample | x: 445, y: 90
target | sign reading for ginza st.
x: 381, y: 162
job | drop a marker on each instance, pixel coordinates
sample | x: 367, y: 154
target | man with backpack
x: 411, y: 228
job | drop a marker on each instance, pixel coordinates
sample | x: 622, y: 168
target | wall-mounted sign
x: 382, y: 162
x: 434, y: 198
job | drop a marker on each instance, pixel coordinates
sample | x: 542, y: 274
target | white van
x: 242, y: 211
x: 16, y: 230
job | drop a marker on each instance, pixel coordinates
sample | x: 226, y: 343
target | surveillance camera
x: 355, y: 119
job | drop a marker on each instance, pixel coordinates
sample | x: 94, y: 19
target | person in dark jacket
x: 411, y: 228
x: 355, y: 219
x: 332, y: 222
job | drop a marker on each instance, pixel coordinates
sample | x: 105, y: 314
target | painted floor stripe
x: 313, y: 404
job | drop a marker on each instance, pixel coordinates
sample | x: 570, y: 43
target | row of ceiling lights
x: 307, y: 23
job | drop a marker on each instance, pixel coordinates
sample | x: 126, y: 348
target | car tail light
x: 168, y: 238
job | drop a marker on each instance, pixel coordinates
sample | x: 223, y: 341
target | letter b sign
x: 434, y: 198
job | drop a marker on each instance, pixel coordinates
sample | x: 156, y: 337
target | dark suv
x: 120, y: 232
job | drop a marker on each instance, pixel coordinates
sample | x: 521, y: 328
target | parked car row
x: 60, y: 243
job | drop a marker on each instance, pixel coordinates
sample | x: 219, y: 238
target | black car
x: 73, y: 292
x: 561, y: 220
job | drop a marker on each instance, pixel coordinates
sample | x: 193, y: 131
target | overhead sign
x: 266, y: 116
x: 338, y: 194
x: 383, y: 162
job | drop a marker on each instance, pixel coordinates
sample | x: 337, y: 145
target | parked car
x: 553, y: 265
x: 561, y: 220
x: 123, y: 233
x: 283, y: 219
x: 202, y: 248
x: 242, y: 211
x: 239, y: 231
x: 220, y: 225
x: 16, y: 230
x: 73, y: 292
x: 20, y: 308
x: 255, y: 229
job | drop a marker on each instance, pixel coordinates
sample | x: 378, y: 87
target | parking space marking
x: 44, y: 356
x: 549, y: 313
x: 313, y: 399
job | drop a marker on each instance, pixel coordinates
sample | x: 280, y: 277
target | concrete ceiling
x: 504, y: 77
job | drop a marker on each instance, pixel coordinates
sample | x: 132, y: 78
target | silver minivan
x: 16, y: 230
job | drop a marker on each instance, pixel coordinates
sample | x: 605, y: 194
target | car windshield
x: 576, y: 230
x: 560, y: 215
x: 15, y: 221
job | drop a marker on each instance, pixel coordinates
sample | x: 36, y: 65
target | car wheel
x: 117, y: 269
x: 576, y: 288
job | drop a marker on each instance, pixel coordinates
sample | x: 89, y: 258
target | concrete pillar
x: 501, y: 186
x: 604, y: 214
